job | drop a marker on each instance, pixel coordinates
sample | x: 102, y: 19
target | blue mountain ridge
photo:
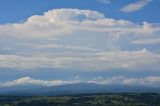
x: 79, y: 88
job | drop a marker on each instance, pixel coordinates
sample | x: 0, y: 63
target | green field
x: 118, y: 99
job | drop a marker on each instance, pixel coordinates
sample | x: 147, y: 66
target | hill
x: 79, y: 88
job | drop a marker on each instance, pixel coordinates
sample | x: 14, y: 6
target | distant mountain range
x: 80, y: 88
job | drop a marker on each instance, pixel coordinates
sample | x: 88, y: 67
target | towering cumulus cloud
x: 83, y: 39
x: 51, y: 23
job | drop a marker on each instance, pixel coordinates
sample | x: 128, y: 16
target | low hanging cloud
x: 122, y: 80
x: 29, y: 80
x: 115, y: 80
x: 135, y: 6
x: 148, y: 81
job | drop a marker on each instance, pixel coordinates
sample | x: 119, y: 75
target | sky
x: 60, y: 42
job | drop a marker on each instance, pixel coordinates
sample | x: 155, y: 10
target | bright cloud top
x: 70, y: 21
x: 51, y: 23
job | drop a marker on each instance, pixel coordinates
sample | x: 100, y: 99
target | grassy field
x: 115, y: 99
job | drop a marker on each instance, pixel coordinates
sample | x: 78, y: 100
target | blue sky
x: 20, y: 10
x: 61, y: 42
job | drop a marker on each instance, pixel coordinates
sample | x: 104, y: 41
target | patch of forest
x: 109, y: 99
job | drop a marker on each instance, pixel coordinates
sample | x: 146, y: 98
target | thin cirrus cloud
x: 138, y: 5
x: 60, y: 46
x: 72, y: 27
x: 104, y: 1
x: 115, y: 80
x: 147, y: 41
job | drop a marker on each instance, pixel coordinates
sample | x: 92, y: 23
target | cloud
x: 60, y: 46
x: 147, y: 41
x: 52, y: 23
x: 122, y: 80
x: 148, y: 81
x: 135, y: 6
x: 28, y: 80
x: 104, y: 1
x: 115, y: 80
x: 63, y: 22
x: 75, y: 30
x: 135, y: 60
